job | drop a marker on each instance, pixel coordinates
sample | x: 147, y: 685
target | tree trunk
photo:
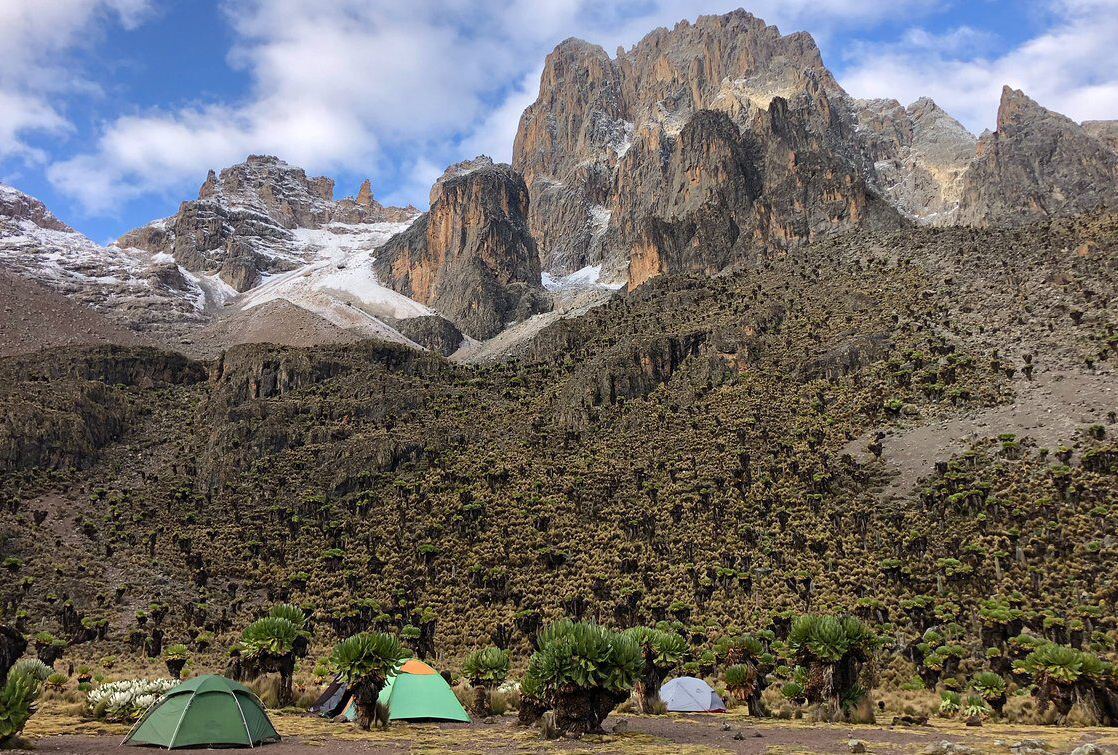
x: 174, y: 667
x: 575, y: 713
x: 482, y: 707
x: 530, y: 711
x: 365, y: 695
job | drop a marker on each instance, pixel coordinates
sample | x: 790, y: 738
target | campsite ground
x: 54, y: 730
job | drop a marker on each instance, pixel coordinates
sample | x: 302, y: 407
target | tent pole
x: 244, y: 722
x: 141, y: 719
x: 185, y: 708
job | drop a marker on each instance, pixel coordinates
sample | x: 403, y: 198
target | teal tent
x: 417, y: 692
x: 204, y: 711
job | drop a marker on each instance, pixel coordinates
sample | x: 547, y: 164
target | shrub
x: 125, y: 700
x: 33, y: 667
x: 584, y: 671
x: 950, y: 702
x: 747, y: 678
x: 269, y: 644
x: 1080, y: 686
x: 175, y: 657
x: 661, y: 652
x: 17, y: 702
x: 835, y: 653
x: 975, y: 706
x: 56, y: 682
x: 485, y: 669
x: 366, y: 661
x: 991, y: 687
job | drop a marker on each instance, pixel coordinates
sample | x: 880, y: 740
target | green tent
x: 417, y: 692
x: 205, y: 710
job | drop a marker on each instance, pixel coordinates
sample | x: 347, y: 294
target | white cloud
x: 351, y: 84
x: 35, y: 36
x: 1072, y: 67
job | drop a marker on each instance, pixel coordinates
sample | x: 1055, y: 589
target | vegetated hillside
x: 681, y: 452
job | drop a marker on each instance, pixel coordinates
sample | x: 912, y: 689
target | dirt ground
x: 630, y: 734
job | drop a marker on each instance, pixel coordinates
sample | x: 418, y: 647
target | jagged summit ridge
x: 1036, y: 164
x: 240, y: 227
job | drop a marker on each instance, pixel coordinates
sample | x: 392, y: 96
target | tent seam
x: 171, y: 742
x: 243, y: 720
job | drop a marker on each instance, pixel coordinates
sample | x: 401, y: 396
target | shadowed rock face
x: 1038, y: 163
x: 471, y: 256
x: 240, y: 225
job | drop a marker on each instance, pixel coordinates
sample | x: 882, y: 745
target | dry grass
x: 57, y: 717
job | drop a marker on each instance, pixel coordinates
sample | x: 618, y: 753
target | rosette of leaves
x: 585, y: 670
x: 485, y: 669
x: 662, y: 652
x: 991, y: 687
x: 1080, y: 685
x: 950, y: 702
x: 268, y: 645
x: 747, y: 678
x: 836, y: 654
x: 365, y: 662
x: 298, y: 617
x: 975, y: 707
x: 532, y: 699
x: 175, y: 657
x: 38, y: 670
x: 17, y: 701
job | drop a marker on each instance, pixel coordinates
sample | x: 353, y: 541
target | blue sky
x: 112, y: 111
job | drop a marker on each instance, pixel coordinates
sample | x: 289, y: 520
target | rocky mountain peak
x: 241, y: 226
x: 457, y: 170
x: 471, y: 256
x: 17, y: 206
x: 1036, y: 164
x: 365, y: 194
x: 598, y: 145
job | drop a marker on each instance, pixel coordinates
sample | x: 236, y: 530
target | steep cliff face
x: 615, y: 158
x: 615, y: 179
x: 1105, y: 131
x: 920, y: 154
x: 471, y: 257
x: 243, y: 223
x: 1037, y: 164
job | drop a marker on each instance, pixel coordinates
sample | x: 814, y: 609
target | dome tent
x: 203, y: 711
x: 417, y: 692
x: 686, y: 694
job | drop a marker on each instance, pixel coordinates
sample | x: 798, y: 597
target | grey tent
x: 333, y: 700
x: 686, y: 694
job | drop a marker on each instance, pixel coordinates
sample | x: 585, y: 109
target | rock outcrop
x: 1037, y: 164
x: 136, y: 291
x: 920, y: 154
x: 17, y: 206
x: 240, y: 226
x: 471, y: 257
x: 1105, y: 131
x: 620, y: 174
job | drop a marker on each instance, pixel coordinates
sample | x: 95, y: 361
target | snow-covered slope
x: 327, y: 271
x: 337, y: 282
x: 135, y: 289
